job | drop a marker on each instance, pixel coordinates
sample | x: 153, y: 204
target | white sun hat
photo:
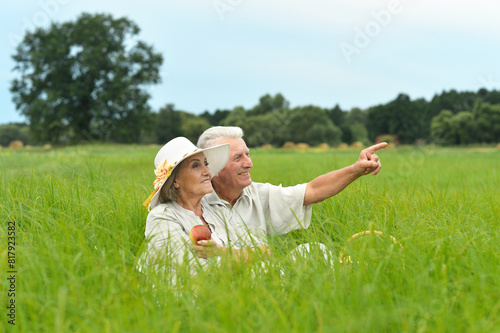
x: 173, y: 153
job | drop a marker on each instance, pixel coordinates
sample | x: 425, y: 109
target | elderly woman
x: 183, y: 178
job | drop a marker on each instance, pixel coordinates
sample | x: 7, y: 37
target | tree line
x: 449, y: 118
x: 84, y: 81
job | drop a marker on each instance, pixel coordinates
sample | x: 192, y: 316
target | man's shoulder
x: 261, y: 191
x: 267, y: 191
x: 258, y: 188
x: 255, y: 188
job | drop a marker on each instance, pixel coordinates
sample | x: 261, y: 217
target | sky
x: 219, y: 54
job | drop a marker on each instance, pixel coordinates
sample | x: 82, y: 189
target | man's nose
x: 247, y: 163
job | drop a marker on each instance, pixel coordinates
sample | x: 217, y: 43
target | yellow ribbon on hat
x: 163, y: 171
x: 148, y: 200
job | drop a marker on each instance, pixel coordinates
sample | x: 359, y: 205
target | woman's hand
x: 208, y: 249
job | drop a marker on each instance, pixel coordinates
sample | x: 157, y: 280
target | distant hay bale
x: 28, y: 147
x: 343, y: 146
x: 389, y: 138
x: 267, y: 146
x: 1, y: 147
x: 288, y: 145
x: 16, y: 144
x: 391, y: 145
x: 498, y: 146
x: 47, y: 146
x: 357, y: 145
x: 420, y: 142
x: 302, y: 146
x: 324, y: 146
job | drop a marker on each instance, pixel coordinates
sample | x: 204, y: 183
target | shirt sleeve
x: 169, y: 243
x: 284, y: 208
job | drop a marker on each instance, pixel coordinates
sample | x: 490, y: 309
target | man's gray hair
x: 211, y: 136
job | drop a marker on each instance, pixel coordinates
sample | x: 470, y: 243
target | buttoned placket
x: 212, y: 228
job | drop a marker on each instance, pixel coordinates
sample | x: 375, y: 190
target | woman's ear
x: 176, y: 184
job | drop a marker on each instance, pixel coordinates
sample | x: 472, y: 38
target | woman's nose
x: 206, y: 170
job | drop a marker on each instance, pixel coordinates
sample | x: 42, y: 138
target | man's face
x: 236, y: 173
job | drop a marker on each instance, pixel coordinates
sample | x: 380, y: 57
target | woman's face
x: 194, y: 177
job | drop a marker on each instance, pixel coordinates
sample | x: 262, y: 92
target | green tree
x: 148, y: 133
x: 336, y: 115
x: 356, y: 115
x: 359, y: 132
x: 259, y: 129
x: 323, y: 133
x: 462, y: 128
x: 264, y: 123
x: 268, y: 128
x: 442, y: 128
x: 401, y: 117
x: 378, y: 118
x: 492, y: 97
x: 168, y: 124
x: 310, y: 124
x: 250, y: 124
x: 217, y: 118
x: 14, y: 131
x: 237, y: 117
x: 355, y: 126
x: 85, y: 80
x: 268, y: 103
x: 193, y: 126
x: 487, y: 122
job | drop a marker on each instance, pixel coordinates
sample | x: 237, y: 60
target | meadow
x: 79, y: 230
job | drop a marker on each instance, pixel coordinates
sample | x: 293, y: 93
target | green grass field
x: 79, y: 229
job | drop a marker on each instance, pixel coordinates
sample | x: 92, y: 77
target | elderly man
x: 265, y: 209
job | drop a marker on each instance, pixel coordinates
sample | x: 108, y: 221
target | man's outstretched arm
x: 332, y: 183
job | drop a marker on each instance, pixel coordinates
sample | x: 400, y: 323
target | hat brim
x: 217, y: 157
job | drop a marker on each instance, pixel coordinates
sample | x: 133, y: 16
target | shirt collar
x: 212, y: 198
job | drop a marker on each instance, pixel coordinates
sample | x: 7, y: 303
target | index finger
x: 376, y: 147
